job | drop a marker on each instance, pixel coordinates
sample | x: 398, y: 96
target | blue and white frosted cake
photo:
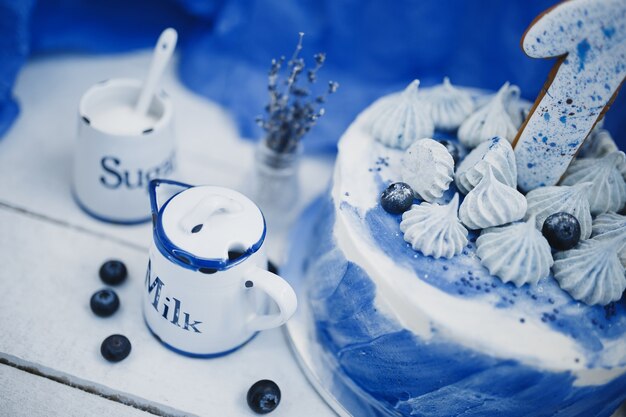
x: 410, y: 319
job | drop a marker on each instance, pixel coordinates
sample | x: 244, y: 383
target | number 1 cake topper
x: 589, y: 36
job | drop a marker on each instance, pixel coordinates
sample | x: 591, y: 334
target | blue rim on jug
x: 198, y: 355
x: 178, y: 255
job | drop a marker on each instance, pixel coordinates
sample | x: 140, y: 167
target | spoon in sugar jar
x: 162, y: 54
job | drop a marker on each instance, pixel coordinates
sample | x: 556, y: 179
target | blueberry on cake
x: 473, y: 299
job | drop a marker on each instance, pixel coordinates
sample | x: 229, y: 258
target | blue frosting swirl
x: 401, y: 374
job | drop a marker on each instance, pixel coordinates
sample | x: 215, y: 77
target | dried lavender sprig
x: 333, y: 86
x: 296, y: 66
x: 319, y: 58
x: 298, y: 47
x: 275, y: 95
x: 289, y: 114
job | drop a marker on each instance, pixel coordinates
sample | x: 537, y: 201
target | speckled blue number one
x: 589, y: 36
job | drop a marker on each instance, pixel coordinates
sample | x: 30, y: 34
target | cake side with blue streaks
x: 416, y: 335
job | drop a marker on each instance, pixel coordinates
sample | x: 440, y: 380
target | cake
x: 410, y: 319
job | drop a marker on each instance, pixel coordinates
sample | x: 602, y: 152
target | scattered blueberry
x: 452, y: 148
x: 113, y: 272
x: 104, y: 302
x: 562, y: 230
x: 264, y: 396
x: 397, y: 198
x: 115, y: 348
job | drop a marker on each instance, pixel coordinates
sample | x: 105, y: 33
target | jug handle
x: 157, y: 201
x: 278, y: 290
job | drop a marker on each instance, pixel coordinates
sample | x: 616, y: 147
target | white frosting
x: 517, y: 113
x: 435, y: 230
x: 608, y: 226
x: 516, y: 253
x: 592, y: 271
x: 496, y: 153
x: 544, y: 201
x: 402, y: 119
x: 609, y: 188
x: 428, y: 167
x: 599, y: 143
x: 489, y: 121
x: 419, y: 306
x: 449, y: 105
x: 491, y: 203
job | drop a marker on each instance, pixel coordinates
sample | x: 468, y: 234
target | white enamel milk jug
x: 207, y: 290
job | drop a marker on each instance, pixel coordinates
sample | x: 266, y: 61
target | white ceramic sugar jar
x: 118, y: 151
x: 207, y: 287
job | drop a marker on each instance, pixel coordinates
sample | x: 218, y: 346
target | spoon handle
x: 162, y: 53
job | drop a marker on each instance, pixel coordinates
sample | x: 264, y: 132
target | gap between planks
x: 26, y: 212
x: 117, y: 398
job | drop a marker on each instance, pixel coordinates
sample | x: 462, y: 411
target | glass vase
x: 275, y: 185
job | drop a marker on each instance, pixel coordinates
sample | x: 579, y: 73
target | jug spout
x: 161, y: 191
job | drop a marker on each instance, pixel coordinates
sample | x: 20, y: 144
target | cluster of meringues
x: 511, y: 245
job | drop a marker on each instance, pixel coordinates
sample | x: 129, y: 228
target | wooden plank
x: 50, y: 252
x: 49, y: 273
x: 28, y: 395
x: 36, y: 155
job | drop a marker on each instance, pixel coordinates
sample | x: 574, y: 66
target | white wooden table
x: 50, y: 253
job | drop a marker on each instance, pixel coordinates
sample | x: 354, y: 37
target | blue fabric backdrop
x: 373, y: 47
